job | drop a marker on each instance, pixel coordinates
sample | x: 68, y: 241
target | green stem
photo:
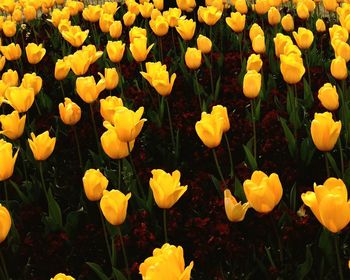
x: 165, y: 226
x: 42, y: 178
x: 160, y: 43
x: 170, y: 125
x: 196, y: 90
x: 37, y: 107
x: 232, y: 172
x: 6, y: 194
x: 78, y: 147
x: 4, y: 268
x: 124, y: 252
x: 218, y: 168
x: 279, y: 240
x: 95, y: 129
x: 105, y: 234
x: 327, y: 165
x: 119, y: 173
x: 254, y: 127
x: 62, y: 90
x: 341, y: 157
x: 340, y: 270
x: 135, y: 173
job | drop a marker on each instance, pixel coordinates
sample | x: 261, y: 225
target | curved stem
x: 165, y: 226
x: 218, y: 168
x: 124, y: 252
x: 340, y: 270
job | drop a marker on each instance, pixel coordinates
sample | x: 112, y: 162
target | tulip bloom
x: 273, y: 16
x: 329, y: 203
x: 42, y: 145
x: 166, y: 187
x: 254, y: 62
x: 62, y: 68
x: 186, y: 28
x: 139, y: 50
x: 9, y: 28
x: 112, y: 146
x: 20, y: 98
x: 211, y: 15
x: 129, y: 18
x: 92, y: 52
x: 75, y: 36
x: 281, y: 41
x: 87, y: 88
x: 221, y: 112
x: 35, y: 53
x: 235, y: 211
x: 62, y: 276
x: 114, y: 205
x: 7, y: 161
x: 263, y: 192
x: 287, y: 23
x: 186, y: 5
x: 193, y: 58
x: 339, y: 69
x: 10, y: 78
x: 236, y: 22
x: 92, y: 13
x: 5, y: 222
x: 105, y: 22
x: 108, y: 107
x: 11, y: 51
x: 112, y: 78
x: 159, y: 26
x: 115, y: 30
x: 70, y: 112
x: 320, y: 25
x: 12, y: 125
x: 258, y: 44
x: 251, y: 84
x: 328, y: 96
x: 325, y: 131
x: 32, y: 81
x: 115, y: 50
x: 80, y: 62
x: 292, y: 68
x: 172, y: 16
x: 304, y: 38
x: 204, y: 44
x: 94, y: 183
x: 210, y: 129
x: 165, y: 259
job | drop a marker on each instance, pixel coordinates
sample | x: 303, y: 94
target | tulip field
x: 174, y: 140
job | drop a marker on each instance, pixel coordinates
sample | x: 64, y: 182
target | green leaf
x: 292, y: 146
x: 293, y: 197
x: 304, y: 268
x: 217, y: 184
x: 333, y: 164
x: 117, y: 273
x: 54, y: 209
x: 98, y: 270
x: 217, y: 88
x: 22, y: 196
x: 250, y: 158
x: 308, y: 96
x: 307, y: 150
x: 239, y: 192
x: 325, y: 243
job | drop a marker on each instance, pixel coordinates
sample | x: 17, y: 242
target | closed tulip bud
x: 339, y: 69
x: 209, y: 129
x: 341, y: 49
x: 32, y: 81
x: 339, y: 32
x: 114, y: 205
x: 302, y: 11
x: 128, y: 124
x: 94, y: 183
x: 115, y: 50
x: 2, y: 62
x: 137, y: 32
x: 292, y: 68
x: 115, y: 30
x: 29, y: 13
x: 254, y: 31
x: 263, y: 192
x: 261, y: 7
x: 62, y: 68
x: 221, y: 112
x: 10, y: 78
x: 329, y: 203
x: 325, y: 131
x: 235, y: 211
x: 7, y: 164
x: 159, y: 26
x: 186, y: 5
x: 254, y: 62
x: 274, y: 16
x: 108, y: 107
x: 20, y: 98
x: 17, y: 15
x: 133, y: 7
x: 75, y: 36
x: 62, y: 276
x: 280, y: 42
x: 92, y: 13
x: 105, y: 22
x: 159, y: 4
x: 70, y: 112
x: 330, y: 5
x: 186, y: 28
x: 110, y: 7
x: 320, y: 25
x: 87, y: 88
x: 139, y: 49
x: 92, y: 52
x: 5, y: 222
x: 258, y: 44
x: 304, y: 37
x: 112, y: 146
x: 193, y: 58
x: 252, y: 84
x: 328, y: 96
x: 112, y: 78
x: 12, y: 125
x: 80, y: 62
x: 42, y: 145
x: 35, y: 53
x: 9, y: 28
x: 236, y: 22
x: 146, y: 9
x: 204, y: 44
x: 156, y: 13
x: 241, y: 6
x: 166, y: 188
x: 287, y: 23
x: 129, y: 18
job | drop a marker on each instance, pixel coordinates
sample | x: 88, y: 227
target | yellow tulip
x: 110, y: 7
x: 337, y: 31
x: 5, y: 222
x: 17, y: 15
x: 87, y: 88
x: 281, y: 41
x: 115, y: 50
x: 7, y: 163
x: 209, y: 129
x: 12, y: 125
x: 254, y: 31
x: 166, y: 187
x: 42, y: 145
x: 302, y: 11
x: 105, y: 22
x: 292, y: 68
x: 92, y: 52
x: 64, y: 25
x: 62, y: 68
x: 235, y: 211
x: 211, y: 15
x: 159, y: 4
x: 186, y: 28
x: 108, y: 107
x: 75, y: 36
x: 112, y: 78
x: 258, y: 44
x: 70, y: 112
x: 273, y: 16
x: 159, y: 26
x: 29, y: 13
x: 80, y: 62
x: 139, y: 50
x: 114, y: 205
x: 137, y: 32
x: 2, y: 62
x: 241, y: 6
x: 62, y: 276
x: 329, y: 203
x: 152, y: 68
x: 133, y: 7
x: 186, y: 5
x: 165, y: 259
x: 330, y: 5
x: 10, y: 78
x: 92, y: 13
x: 328, y: 96
x: 254, y: 62
x: 128, y: 124
x: 193, y: 58
x: 57, y: 15
x: 35, y: 53
x: 204, y: 44
x: 236, y: 22
x: 287, y: 23
x: 129, y: 18
x: 9, y: 28
x: 320, y: 25
x: 261, y: 7
x: 115, y: 30
x: 94, y: 183
x: 112, y: 145
x: 146, y: 9
x: 221, y: 112
x: 172, y: 16
x: 325, y: 131
x: 32, y: 81
x: 339, y: 69
x: 252, y: 84
x: 20, y: 98
x: 161, y: 82
x: 304, y: 38
x: 341, y: 49
x: 263, y: 192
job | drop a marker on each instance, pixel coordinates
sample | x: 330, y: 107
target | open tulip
x: 210, y: 129
x: 251, y: 84
x: 87, y: 88
x: 162, y: 84
x: 70, y: 112
x: 94, y: 183
x: 328, y: 96
x: 35, y: 53
x: 110, y: 7
x: 235, y: 211
x: 7, y: 161
x: 263, y: 192
x: 304, y: 38
x: 211, y: 15
x: 186, y: 28
x: 92, y: 13
x: 75, y: 36
x: 236, y: 22
x: 114, y: 205
x: 281, y: 41
x: 108, y: 107
x: 10, y: 78
x: 159, y: 26
x: 20, y: 98
x: 165, y: 259
x: 146, y: 9
x: 193, y: 58
x: 329, y: 203
x: 325, y: 131
x: 172, y: 16
x: 31, y: 80
x: 152, y: 68
x: 254, y: 62
x: 42, y: 145
x: 166, y: 187
x: 105, y: 22
x: 112, y: 146
x: 62, y: 276
x: 5, y: 222
x: 92, y: 52
x: 12, y: 125
x: 139, y: 49
x: 137, y: 32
